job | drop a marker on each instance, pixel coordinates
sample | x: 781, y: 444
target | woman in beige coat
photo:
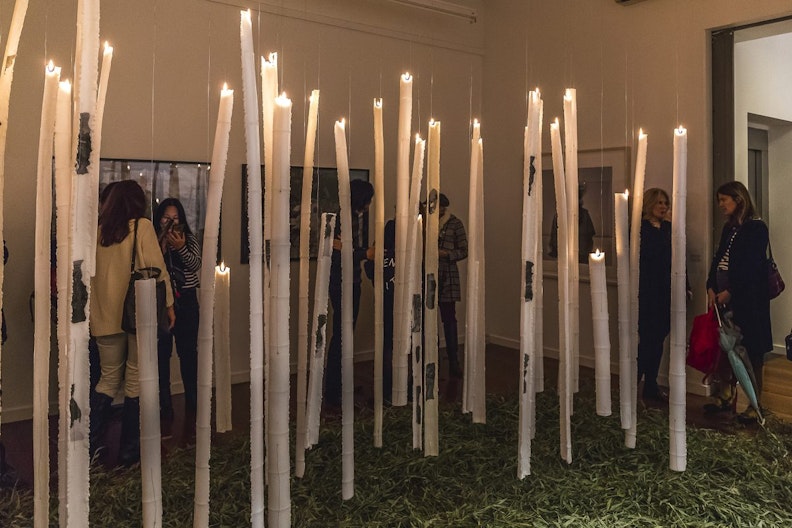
x: 121, y: 211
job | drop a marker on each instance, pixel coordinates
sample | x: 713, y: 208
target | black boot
x: 129, y: 452
x: 100, y: 411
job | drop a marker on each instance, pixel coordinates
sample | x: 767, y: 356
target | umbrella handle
x: 717, y: 312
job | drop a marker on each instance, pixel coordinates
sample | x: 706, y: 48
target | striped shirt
x: 184, y: 264
x: 723, y: 264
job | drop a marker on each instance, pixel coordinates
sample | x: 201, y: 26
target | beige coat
x: 109, y: 285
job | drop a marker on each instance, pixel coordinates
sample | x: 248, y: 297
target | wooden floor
x: 501, y: 377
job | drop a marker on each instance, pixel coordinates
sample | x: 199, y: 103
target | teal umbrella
x: 730, y: 338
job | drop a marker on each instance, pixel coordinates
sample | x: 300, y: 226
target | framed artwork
x: 601, y: 172
x: 186, y: 180
x: 323, y: 200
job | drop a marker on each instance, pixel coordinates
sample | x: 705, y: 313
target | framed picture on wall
x: 601, y: 172
x: 186, y: 180
x: 324, y: 199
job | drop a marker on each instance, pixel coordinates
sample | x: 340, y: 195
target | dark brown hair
x: 745, y: 208
x: 124, y: 202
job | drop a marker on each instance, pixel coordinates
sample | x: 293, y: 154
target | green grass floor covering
x: 741, y: 479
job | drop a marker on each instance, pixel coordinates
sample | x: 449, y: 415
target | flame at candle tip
x: 50, y: 66
x: 627, y: 192
x: 225, y: 87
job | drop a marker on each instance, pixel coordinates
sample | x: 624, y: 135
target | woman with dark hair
x: 182, y: 253
x: 738, y: 279
x: 121, y: 224
x: 654, y: 290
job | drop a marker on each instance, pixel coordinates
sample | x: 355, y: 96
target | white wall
x: 171, y: 59
x: 645, y: 65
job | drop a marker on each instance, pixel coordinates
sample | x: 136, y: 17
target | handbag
x: 128, y: 316
x: 775, y: 283
x: 788, y: 343
x: 704, y: 345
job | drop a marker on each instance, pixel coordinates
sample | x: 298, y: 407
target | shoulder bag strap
x: 134, y: 249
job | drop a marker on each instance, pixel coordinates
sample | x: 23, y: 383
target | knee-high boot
x: 129, y: 452
x: 100, y: 410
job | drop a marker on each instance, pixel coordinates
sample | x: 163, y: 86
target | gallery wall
x: 640, y: 66
x: 170, y: 61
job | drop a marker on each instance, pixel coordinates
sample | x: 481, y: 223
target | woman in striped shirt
x: 182, y: 253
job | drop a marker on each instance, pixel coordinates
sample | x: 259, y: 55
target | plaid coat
x: 452, y: 238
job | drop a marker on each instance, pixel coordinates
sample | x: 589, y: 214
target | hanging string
x: 431, y: 86
x: 349, y: 114
x: 153, y: 77
x: 470, y: 113
x: 676, y: 59
x: 208, y: 146
x: 602, y: 119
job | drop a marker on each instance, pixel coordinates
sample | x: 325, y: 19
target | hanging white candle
x: 319, y: 328
x: 379, y: 260
x: 42, y: 276
x: 564, y: 308
x: 63, y: 177
x: 621, y: 209
x: 347, y: 322
x: 279, y: 496
x: 303, y: 312
x: 571, y: 176
x: 635, y: 259
x: 206, y: 303
x: 401, y: 337
x: 222, y: 347
x: 599, y: 313
x: 431, y: 364
x: 148, y: 372
x: 677, y: 379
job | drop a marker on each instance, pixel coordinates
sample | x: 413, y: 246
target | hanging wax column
x: 222, y: 347
x: 279, y: 497
x: 407, y: 322
x: 305, y: 264
x: 538, y: 273
x: 571, y: 175
x: 206, y: 303
x: 150, y: 456
x: 347, y: 321
x: 621, y: 208
x: 6, y: 78
x: 401, y: 338
x: 319, y: 328
x: 416, y: 280
x: 63, y: 178
x: 531, y: 254
x: 269, y: 91
x: 255, y: 245
x: 379, y: 260
x: 599, y: 313
x: 471, y: 334
x: 676, y: 371
x: 564, y: 333
x: 635, y: 259
x: 431, y: 285
x: 96, y: 145
x: 473, y: 398
x: 538, y: 362
x: 85, y: 194
x: 42, y: 276
x: 413, y: 320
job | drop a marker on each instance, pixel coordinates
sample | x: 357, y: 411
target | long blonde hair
x: 650, y: 199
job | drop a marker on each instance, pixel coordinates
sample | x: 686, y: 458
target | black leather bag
x: 128, y: 317
x: 788, y: 342
x: 775, y: 283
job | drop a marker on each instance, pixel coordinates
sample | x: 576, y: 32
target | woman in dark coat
x: 654, y: 290
x: 738, y: 274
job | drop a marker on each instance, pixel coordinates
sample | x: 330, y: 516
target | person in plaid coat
x: 452, y: 247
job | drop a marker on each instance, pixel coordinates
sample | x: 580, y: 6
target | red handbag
x: 704, y: 346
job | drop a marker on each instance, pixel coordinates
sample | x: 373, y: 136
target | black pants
x: 650, y: 353
x: 333, y: 372
x: 185, y: 333
x: 448, y: 316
